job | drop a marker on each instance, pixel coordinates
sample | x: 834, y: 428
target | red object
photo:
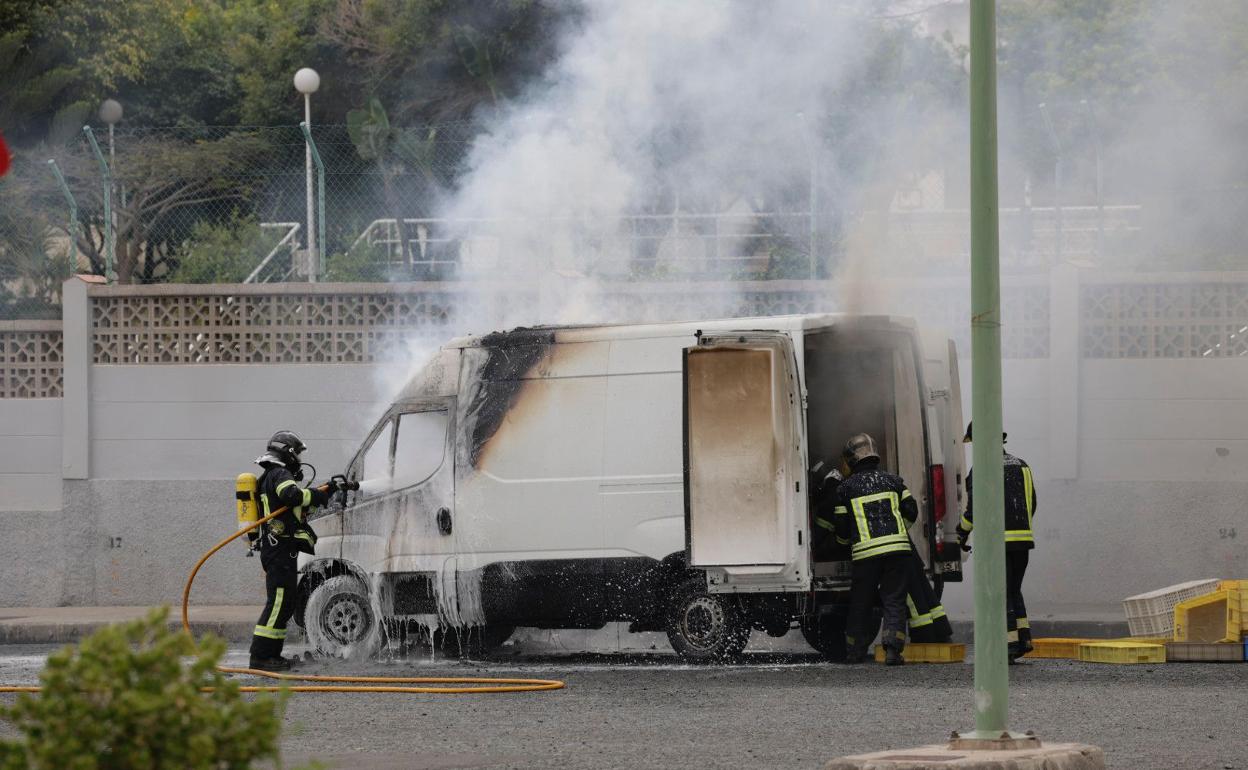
x: 938, y: 491
x: 5, y: 158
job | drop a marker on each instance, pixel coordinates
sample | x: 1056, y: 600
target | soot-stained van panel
x: 534, y: 485
x: 498, y: 374
x: 494, y: 376
x: 734, y: 457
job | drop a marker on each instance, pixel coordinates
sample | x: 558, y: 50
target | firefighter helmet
x: 858, y: 448
x: 967, y: 438
x: 284, y: 448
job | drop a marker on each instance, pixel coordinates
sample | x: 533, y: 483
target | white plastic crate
x: 1152, y: 614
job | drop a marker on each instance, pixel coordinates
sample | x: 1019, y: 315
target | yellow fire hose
x: 397, y: 684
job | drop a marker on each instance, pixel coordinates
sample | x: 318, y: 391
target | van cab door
x: 744, y: 455
x: 403, y: 517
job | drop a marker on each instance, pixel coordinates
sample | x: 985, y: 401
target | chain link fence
x: 231, y: 204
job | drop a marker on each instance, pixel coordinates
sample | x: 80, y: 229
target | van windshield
x: 375, y: 464
x: 421, y: 445
x: 413, y: 455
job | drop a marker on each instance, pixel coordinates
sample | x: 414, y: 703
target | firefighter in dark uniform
x: 1020, y: 508
x: 928, y: 621
x: 281, y: 542
x: 824, y: 481
x: 874, y: 510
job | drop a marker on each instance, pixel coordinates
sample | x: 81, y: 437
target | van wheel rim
x: 345, y: 619
x: 703, y: 622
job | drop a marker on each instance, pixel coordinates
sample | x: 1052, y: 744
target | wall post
x: 1065, y: 362
x: 76, y: 401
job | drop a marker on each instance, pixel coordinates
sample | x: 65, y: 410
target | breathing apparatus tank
x: 248, y: 506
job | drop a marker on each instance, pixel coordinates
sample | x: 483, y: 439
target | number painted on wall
x: 1226, y: 533
x: 114, y: 542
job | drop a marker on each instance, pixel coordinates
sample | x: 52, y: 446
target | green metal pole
x: 110, y: 235
x: 991, y: 676
x: 319, y: 267
x: 73, y: 212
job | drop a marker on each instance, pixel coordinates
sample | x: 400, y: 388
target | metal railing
x: 680, y: 241
x: 279, y: 264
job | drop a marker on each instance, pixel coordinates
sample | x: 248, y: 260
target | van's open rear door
x: 745, y: 510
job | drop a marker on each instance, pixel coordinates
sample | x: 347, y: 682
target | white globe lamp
x: 307, y: 81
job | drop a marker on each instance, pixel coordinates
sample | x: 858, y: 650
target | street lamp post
x: 1057, y: 180
x: 110, y: 113
x: 808, y: 136
x: 1100, y: 197
x: 306, y: 83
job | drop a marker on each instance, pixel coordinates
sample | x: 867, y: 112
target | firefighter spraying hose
x: 272, y: 513
x: 395, y: 684
x: 250, y: 504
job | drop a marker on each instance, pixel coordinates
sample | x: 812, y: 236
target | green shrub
x: 223, y: 253
x: 363, y: 264
x: 130, y: 696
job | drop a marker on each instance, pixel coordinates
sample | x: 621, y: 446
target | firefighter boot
x: 1015, y: 651
x: 854, y: 653
x: 892, y: 655
x: 270, y: 664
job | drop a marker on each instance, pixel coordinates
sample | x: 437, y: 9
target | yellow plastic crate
x: 1122, y: 652
x: 1239, y: 589
x: 1140, y: 639
x: 1205, y: 653
x: 1208, y: 619
x: 1067, y: 649
x: 928, y: 653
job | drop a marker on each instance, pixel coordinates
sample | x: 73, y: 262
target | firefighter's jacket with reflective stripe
x: 1020, y: 505
x: 290, y: 531
x: 873, y: 511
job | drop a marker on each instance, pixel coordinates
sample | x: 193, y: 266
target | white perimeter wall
x: 30, y: 454
x: 1160, y: 458
x: 1161, y: 494
x: 211, y: 422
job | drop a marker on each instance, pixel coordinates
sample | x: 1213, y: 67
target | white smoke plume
x: 698, y: 106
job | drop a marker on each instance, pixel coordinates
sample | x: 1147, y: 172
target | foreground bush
x: 131, y: 696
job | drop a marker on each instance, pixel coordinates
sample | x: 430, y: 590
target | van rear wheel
x: 826, y: 633
x: 703, y: 626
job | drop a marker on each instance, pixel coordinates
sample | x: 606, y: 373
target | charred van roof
x: 547, y: 335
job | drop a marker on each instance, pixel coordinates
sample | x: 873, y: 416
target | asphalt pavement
x: 774, y: 710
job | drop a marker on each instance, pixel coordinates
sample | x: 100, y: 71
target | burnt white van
x: 569, y: 477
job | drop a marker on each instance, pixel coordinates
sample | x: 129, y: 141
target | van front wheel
x: 339, y: 619
x: 704, y: 626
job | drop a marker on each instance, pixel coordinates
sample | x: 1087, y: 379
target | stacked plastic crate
x: 1203, y: 619
x: 1200, y: 620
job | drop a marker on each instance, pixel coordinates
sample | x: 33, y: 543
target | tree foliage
x: 1163, y: 81
x: 206, y: 62
x: 223, y: 253
x: 34, y: 252
x: 124, y: 698
x: 169, y: 185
